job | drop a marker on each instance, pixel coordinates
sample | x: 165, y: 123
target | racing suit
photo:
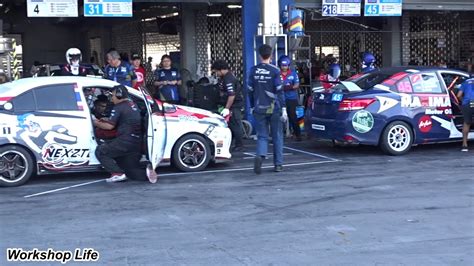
x: 168, y: 93
x: 69, y: 70
x: 267, y: 100
x: 324, y: 78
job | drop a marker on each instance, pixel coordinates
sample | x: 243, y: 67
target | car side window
x: 61, y: 97
x: 24, y: 102
x: 426, y: 83
x: 404, y: 86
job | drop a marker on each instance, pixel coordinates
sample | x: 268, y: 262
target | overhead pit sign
x: 376, y: 8
x: 51, y: 8
x: 108, y: 8
x: 346, y: 8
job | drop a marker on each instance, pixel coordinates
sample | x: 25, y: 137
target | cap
x: 220, y: 65
x: 136, y: 56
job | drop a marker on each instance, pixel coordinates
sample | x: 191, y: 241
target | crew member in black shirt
x: 125, y: 118
x: 232, y: 100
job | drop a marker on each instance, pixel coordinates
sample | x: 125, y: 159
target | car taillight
x: 354, y: 104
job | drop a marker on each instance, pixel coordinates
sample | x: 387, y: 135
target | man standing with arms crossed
x: 267, y: 101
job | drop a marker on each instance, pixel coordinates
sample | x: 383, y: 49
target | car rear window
x: 369, y: 81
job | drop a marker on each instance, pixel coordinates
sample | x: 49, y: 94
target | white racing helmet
x: 73, y: 56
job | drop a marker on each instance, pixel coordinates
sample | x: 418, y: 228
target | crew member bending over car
x: 125, y: 117
x: 466, y: 95
x: 230, y: 96
x: 368, y: 62
x: 331, y: 77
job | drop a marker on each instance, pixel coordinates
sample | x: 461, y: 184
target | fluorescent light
x: 170, y: 15
x: 214, y: 15
x: 234, y: 6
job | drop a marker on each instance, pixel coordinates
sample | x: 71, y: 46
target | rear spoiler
x: 348, y: 85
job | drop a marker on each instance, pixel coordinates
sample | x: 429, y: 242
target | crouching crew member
x: 126, y: 119
x: 232, y: 100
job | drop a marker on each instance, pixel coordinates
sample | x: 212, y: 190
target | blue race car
x: 393, y: 108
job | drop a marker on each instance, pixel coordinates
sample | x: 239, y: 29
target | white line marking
x: 64, y: 188
x: 180, y: 174
x: 313, y: 154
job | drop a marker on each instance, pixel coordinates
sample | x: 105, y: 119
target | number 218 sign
x: 51, y: 8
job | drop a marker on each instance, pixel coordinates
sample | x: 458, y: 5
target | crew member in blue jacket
x: 119, y: 71
x: 267, y: 101
x: 466, y: 95
x: 291, y: 84
x: 167, y: 80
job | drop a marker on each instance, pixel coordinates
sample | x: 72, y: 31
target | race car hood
x: 186, y: 112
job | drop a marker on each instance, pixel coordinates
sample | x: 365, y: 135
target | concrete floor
x: 331, y: 206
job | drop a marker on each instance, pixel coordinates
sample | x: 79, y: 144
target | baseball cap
x: 136, y: 56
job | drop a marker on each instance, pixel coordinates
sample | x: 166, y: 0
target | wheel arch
x: 32, y: 154
x: 209, y: 142
x: 404, y: 119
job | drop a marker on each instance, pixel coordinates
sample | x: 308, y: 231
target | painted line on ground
x: 180, y: 174
x: 64, y: 188
x: 312, y: 154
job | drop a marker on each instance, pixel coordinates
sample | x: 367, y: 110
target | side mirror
x: 169, y: 108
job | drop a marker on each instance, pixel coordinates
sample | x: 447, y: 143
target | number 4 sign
x: 51, y: 8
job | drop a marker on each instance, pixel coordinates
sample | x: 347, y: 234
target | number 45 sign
x: 51, y: 8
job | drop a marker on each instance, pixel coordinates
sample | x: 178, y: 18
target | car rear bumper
x: 340, y: 130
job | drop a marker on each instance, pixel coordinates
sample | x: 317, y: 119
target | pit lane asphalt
x: 353, y: 206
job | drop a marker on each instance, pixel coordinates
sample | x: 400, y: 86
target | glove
x: 284, y: 115
x: 225, y: 112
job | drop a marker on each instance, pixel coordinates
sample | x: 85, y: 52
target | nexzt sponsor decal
x: 60, y: 156
x: 414, y: 101
x: 425, y: 124
x: 363, y: 121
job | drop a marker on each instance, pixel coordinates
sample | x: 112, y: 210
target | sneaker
x: 151, y: 174
x: 117, y: 177
x: 465, y: 149
x: 278, y: 168
x: 257, y: 165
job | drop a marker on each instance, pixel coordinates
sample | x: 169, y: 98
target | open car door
x: 156, y: 130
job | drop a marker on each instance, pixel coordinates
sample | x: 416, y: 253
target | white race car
x: 46, y: 127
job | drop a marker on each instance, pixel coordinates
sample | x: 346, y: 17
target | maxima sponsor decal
x: 363, y: 121
x: 425, y: 124
x: 424, y: 101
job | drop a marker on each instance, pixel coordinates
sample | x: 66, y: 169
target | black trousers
x: 121, y: 157
x: 292, y: 119
x: 235, y: 125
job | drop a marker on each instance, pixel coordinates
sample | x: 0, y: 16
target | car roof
x: 411, y: 69
x: 19, y: 86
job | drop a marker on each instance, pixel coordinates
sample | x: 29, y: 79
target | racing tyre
x: 16, y: 166
x: 191, y: 153
x: 397, y: 138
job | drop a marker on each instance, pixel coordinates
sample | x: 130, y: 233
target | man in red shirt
x: 139, y: 70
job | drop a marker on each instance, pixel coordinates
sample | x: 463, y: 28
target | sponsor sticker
x: 363, y: 121
x: 425, y: 124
